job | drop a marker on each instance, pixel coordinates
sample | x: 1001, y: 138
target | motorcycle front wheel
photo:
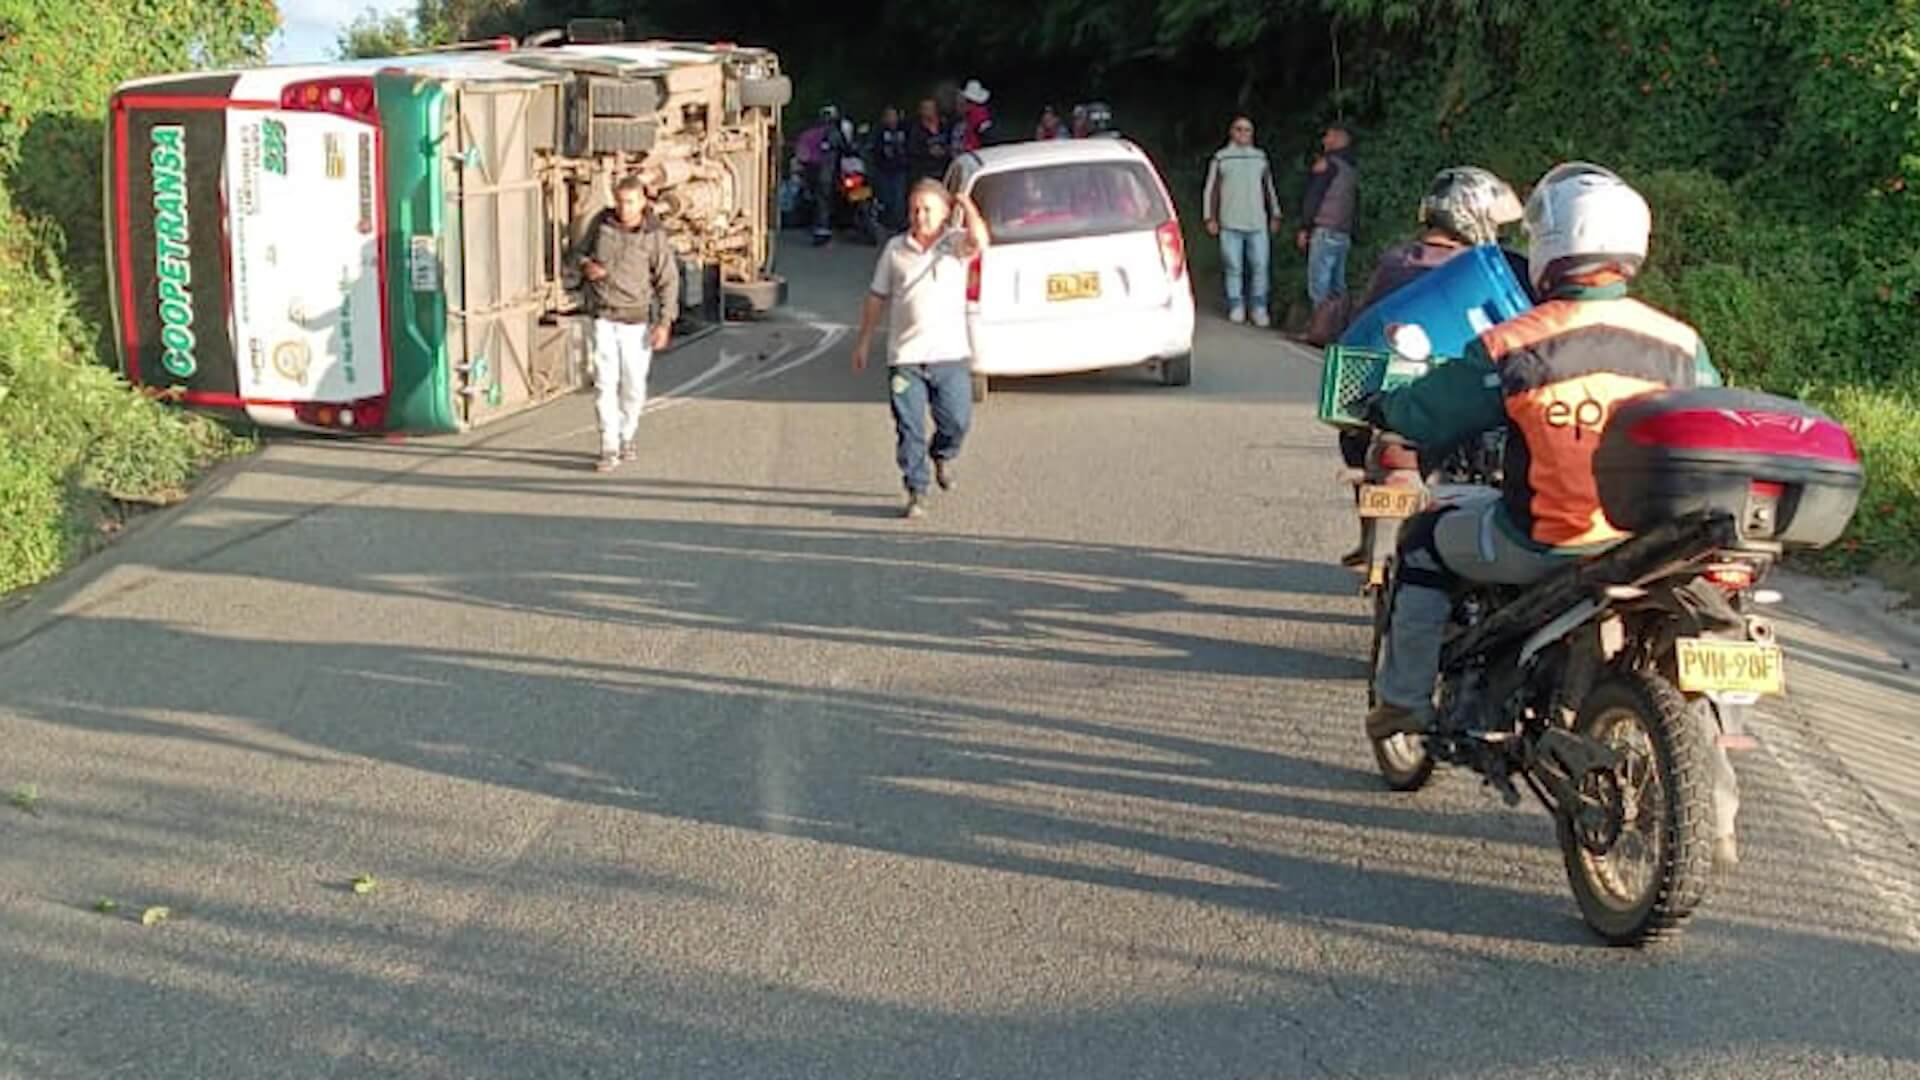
x: 1404, y: 761
x: 1642, y: 876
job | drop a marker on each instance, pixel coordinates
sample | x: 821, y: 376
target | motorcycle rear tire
x: 1404, y: 760
x: 1684, y: 865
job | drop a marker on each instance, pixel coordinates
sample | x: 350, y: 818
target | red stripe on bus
x: 235, y: 401
x: 123, y: 215
x: 192, y: 104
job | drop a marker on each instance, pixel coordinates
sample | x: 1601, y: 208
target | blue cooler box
x: 1454, y: 303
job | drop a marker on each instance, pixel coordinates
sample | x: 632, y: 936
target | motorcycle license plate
x: 1084, y: 286
x: 1730, y: 666
x: 1384, y: 501
x: 859, y: 194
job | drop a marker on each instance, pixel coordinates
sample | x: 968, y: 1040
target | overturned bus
x: 379, y: 245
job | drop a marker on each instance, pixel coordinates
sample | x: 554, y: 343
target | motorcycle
x: 1613, y: 691
x: 863, y: 208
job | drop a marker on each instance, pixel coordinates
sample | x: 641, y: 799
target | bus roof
x: 533, y: 65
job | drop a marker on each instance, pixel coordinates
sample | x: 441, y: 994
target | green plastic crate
x: 1352, y: 372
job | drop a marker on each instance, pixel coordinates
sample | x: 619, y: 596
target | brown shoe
x: 1386, y: 721
x: 943, y: 474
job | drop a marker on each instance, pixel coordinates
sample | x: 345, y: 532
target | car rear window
x: 1060, y: 202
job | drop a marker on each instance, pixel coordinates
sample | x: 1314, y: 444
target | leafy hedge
x: 1779, y: 144
x: 75, y: 440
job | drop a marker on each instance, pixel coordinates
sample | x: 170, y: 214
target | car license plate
x: 859, y: 194
x: 1384, y: 501
x: 1731, y: 666
x: 1073, y: 286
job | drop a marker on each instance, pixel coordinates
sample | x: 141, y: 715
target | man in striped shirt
x: 1243, y: 211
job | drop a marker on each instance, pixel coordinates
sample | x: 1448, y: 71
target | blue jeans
x: 947, y: 387
x: 1327, y: 264
x: 1246, y: 252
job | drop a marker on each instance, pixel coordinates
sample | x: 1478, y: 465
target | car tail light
x: 973, y: 280
x: 349, y: 97
x: 850, y: 181
x: 1173, y: 250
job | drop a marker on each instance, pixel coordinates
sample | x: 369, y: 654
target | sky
x: 309, y: 28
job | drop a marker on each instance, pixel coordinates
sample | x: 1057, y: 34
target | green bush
x: 76, y: 442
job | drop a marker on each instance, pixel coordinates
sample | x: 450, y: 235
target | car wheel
x: 979, y: 388
x: 1177, y: 370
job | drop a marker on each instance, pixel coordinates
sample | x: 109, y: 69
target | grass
x: 80, y: 450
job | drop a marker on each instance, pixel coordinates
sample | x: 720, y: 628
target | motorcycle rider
x: 836, y: 142
x: 1464, y: 206
x: 1549, y: 377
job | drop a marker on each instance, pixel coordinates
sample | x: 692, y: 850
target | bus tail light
x: 353, y: 416
x: 349, y: 97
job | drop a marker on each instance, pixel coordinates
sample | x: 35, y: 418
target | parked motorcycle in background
x: 862, y: 207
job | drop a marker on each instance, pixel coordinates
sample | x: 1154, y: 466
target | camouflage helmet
x: 1470, y: 203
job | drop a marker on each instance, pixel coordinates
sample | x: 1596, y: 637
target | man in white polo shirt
x: 922, y: 275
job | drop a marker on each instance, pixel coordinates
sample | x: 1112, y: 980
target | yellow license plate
x: 859, y: 194
x: 1734, y: 666
x: 1073, y: 286
x: 1383, y: 501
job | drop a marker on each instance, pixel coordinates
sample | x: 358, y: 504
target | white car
x: 1087, y: 269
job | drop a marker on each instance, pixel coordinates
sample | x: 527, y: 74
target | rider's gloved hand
x: 1372, y: 409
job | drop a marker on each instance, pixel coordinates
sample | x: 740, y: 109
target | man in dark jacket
x: 890, y: 167
x: 632, y: 284
x: 1326, y: 216
x: 927, y: 143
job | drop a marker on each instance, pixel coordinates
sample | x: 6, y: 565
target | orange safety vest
x: 1563, y: 367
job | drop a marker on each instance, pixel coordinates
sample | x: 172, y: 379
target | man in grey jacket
x: 1242, y: 208
x: 633, y: 291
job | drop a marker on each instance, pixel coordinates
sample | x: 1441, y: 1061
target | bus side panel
x: 166, y: 145
x: 413, y: 116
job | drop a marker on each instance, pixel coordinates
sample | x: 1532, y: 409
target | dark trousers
x: 947, y: 388
x: 891, y: 187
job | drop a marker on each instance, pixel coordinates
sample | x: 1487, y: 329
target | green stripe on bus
x: 412, y: 110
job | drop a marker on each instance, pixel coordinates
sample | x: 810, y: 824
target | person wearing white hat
x: 976, y: 122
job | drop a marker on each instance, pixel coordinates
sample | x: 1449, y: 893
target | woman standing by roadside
x: 922, y: 278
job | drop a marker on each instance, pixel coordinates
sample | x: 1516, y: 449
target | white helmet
x: 1582, y: 217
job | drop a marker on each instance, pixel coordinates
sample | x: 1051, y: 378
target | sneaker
x: 1237, y: 314
x: 943, y: 474
x: 1387, y: 720
x: 1261, y: 319
x: 916, y: 506
x: 627, y: 452
x: 608, y: 462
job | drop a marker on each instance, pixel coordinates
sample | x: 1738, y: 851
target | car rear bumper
x: 1091, y: 342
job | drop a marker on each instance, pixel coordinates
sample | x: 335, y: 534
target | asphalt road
x: 715, y: 768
